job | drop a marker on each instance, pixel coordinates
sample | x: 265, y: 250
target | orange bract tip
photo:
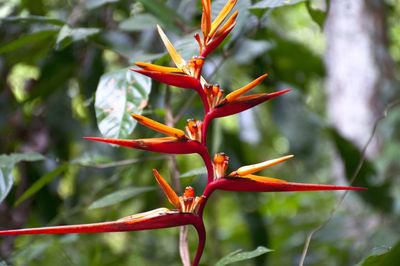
x: 176, y: 57
x: 237, y: 93
x: 220, y: 158
x: 158, y: 68
x: 249, y: 169
x: 221, y: 16
x: 168, y: 191
x: 189, y: 192
x: 174, y: 132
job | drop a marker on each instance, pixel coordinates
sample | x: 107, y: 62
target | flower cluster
x: 188, y: 209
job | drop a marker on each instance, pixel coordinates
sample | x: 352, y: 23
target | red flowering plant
x: 188, y: 209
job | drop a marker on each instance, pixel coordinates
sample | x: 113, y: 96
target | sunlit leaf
x: 118, y: 95
x: 239, y: 255
x: 7, y: 163
x: 68, y: 35
x: 119, y: 196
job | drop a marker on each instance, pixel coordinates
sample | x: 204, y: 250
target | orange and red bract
x: 189, y: 207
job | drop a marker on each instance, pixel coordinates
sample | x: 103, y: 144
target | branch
x: 353, y: 178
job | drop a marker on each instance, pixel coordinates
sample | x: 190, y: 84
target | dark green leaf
x: 92, y: 4
x: 34, y: 19
x: 239, y: 255
x: 165, y: 14
x: 389, y: 258
x: 7, y: 163
x: 139, y: 22
x: 317, y: 15
x: 378, y: 194
x: 119, y: 196
x: 68, y: 35
x: 118, y: 95
x: 25, y: 40
x: 40, y: 183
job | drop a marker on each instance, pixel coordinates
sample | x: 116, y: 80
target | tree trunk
x: 359, y: 68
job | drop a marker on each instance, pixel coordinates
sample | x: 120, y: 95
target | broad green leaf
x: 197, y: 171
x: 68, y: 35
x: 7, y: 163
x: 378, y: 194
x: 92, y: 4
x: 274, y: 3
x: 239, y: 255
x: 139, y: 22
x: 27, y: 40
x: 34, y: 19
x: 40, y: 183
x: 119, y: 196
x: 389, y: 258
x: 118, y: 95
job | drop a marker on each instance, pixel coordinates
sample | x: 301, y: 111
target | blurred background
x: 64, y: 66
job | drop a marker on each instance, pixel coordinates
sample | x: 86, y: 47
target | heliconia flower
x: 185, y: 75
x: 235, y: 102
x: 243, y: 179
x: 176, y: 142
x: 213, y: 32
x: 184, y: 214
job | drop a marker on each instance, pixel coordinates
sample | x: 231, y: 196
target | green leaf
x: 27, y: 40
x: 389, y: 258
x: 92, y: 4
x: 12, y: 159
x: 119, y: 196
x: 197, y: 171
x: 274, y: 3
x: 378, y: 194
x: 118, y: 95
x: 34, y: 19
x: 168, y: 17
x: 40, y: 183
x: 317, y: 15
x: 139, y: 22
x: 7, y: 163
x: 239, y: 255
x: 68, y: 35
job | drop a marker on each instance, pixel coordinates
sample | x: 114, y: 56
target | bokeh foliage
x: 54, y: 55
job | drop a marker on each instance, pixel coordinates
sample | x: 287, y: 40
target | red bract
x: 189, y: 208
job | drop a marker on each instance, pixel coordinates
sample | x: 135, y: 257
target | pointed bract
x: 173, y: 132
x: 249, y: 169
x: 180, y: 80
x: 239, y: 92
x: 221, y: 16
x: 176, y: 57
x: 168, y: 191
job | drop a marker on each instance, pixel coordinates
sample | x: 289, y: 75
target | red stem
x: 201, y: 232
x: 207, y: 161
